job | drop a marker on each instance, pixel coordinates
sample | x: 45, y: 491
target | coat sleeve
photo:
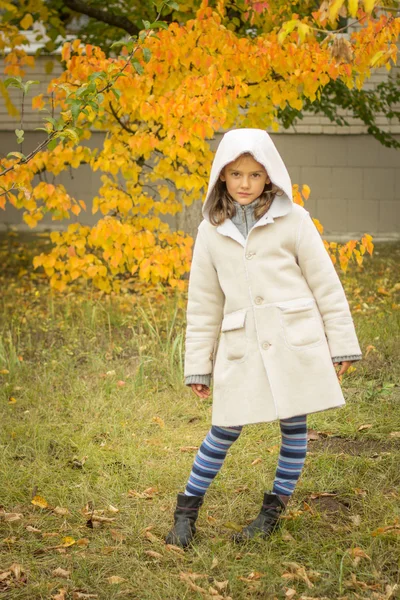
x: 324, y: 282
x: 204, y: 311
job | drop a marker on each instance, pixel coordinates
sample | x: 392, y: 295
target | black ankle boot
x: 267, y: 520
x: 185, y: 517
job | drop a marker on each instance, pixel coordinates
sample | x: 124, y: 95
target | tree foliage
x: 160, y: 98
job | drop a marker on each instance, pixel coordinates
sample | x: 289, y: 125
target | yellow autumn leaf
x: 369, y: 5
x: 12, y: 400
x: 353, y: 7
x: 66, y: 542
x: 26, y: 22
x: 40, y: 501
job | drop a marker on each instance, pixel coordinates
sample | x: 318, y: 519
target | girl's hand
x: 342, y: 367
x: 201, y: 390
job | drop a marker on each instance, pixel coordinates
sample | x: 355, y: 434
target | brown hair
x: 222, y: 206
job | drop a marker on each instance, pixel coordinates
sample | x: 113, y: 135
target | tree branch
x: 119, y: 21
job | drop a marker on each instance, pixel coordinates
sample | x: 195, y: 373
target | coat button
x: 266, y: 345
x: 250, y: 255
x: 259, y: 300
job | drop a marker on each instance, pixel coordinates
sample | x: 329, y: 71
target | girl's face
x: 245, y: 179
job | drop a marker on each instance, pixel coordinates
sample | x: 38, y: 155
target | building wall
x: 354, y: 180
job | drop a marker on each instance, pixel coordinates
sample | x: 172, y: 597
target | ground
x: 98, y: 434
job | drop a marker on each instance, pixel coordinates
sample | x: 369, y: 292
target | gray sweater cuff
x: 338, y: 359
x: 203, y: 379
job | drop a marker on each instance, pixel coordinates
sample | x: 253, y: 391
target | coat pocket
x: 234, y: 335
x: 300, y: 322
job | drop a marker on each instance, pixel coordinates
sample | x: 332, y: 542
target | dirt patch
x: 367, y: 447
x: 330, y: 505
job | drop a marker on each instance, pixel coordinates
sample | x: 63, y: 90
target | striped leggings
x: 213, y: 450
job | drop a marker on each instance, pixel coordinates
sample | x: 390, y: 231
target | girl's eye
x: 256, y: 175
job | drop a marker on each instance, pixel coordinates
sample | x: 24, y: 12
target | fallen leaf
x: 5, y: 575
x: 62, y: 594
x: 17, y: 570
x: 121, y: 383
x: 32, y: 529
x: 288, y: 537
x: 296, y: 571
x: 112, y: 508
x: 221, y: 585
x: 145, y: 495
x: 253, y: 576
x: 257, y: 461
x: 290, y: 593
x: 356, y: 519
x: 50, y: 534
x: 118, y: 536
x: 151, y: 537
x: 395, y: 434
x: 367, y: 426
x: 59, y: 572
x: 115, y: 580
x: 83, y: 596
x: 66, y: 542
x: 188, y: 448
x: 10, y: 517
x: 4, y: 371
x: 358, y: 552
x: 175, y: 550
x: 60, y: 511
x: 369, y: 349
x: 159, y: 421
x: 354, y: 583
x: 360, y: 492
x: 82, y: 542
x: 153, y: 554
x: 214, y: 563
x: 395, y: 528
x: 40, y: 501
x: 12, y: 400
x: 273, y: 449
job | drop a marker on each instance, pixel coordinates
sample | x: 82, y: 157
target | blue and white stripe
x: 213, y: 450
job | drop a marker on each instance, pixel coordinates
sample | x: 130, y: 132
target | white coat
x: 265, y: 314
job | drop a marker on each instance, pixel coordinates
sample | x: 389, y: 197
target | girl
x: 267, y: 317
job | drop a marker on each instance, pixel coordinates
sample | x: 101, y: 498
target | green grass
x: 75, y: 435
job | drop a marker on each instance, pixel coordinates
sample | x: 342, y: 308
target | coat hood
x: 260, y: 145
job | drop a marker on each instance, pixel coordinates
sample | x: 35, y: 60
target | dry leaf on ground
x: 59, y: 572
x: 145, y: 495
x: 115, y: 580
x: 151, y: 537
x: 159, y: 421
x: 118, y: 536
x: 366, y: 426
x: 188, y: 448
x: 32, y: 529
x: 257, y: 461
x: 296, y: 571
x: 62, y: 595
x: 83, y: 596
x: 10, y: 517
x: 58, y: 510
x: 153, y: 554
x: 40, y: 502
x: 290, y: 593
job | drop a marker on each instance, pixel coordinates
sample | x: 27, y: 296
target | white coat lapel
x: 230, y: 230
